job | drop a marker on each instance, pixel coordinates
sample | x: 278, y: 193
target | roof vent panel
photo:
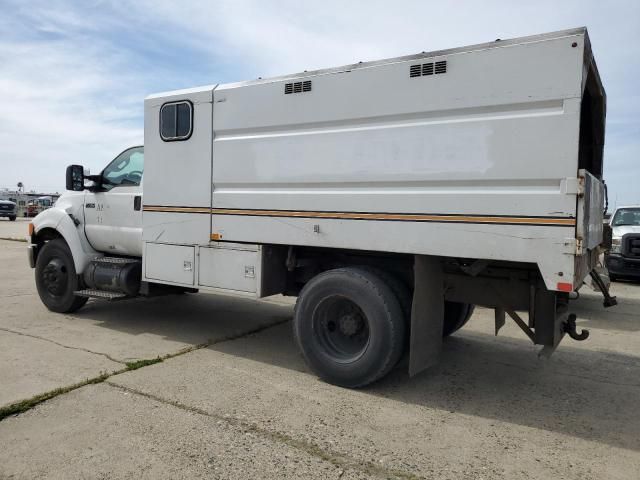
x: 441, y: 67
x: 427, y: 69
x: 297, y: 87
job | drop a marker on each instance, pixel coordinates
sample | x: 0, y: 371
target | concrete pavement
x: 16, y: 229
x: 245, y: 406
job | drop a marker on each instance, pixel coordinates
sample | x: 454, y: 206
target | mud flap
x: 427, y: 314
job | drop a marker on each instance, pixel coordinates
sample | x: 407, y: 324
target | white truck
x: 390, y: 197
x: 623, y: 259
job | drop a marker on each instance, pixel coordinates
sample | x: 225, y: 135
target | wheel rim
x: 341, y: 329
x: 55, y: 277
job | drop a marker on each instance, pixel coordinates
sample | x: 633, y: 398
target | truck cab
x: 89, y: 222
x: 623, y: 259
x: 8, y: 209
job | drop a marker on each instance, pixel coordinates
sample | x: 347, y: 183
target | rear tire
x: 456, y: 315
x: 349, y: 326
x: 56, y: 278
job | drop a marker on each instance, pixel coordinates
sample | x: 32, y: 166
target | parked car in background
x: 34, y: 207
x: 8, y: 209
x: 623, y: 260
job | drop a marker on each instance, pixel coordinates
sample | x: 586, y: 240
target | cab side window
x: 125, y: 170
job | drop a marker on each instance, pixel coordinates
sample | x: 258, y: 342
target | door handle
x: 137, y: 203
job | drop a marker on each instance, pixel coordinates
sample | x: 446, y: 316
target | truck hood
x: 624, y: 229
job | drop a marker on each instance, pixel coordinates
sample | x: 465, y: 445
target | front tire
x: 56, y: 278
x: 349, y: 326
x: 12, y: 219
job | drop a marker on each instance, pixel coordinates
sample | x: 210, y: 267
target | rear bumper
x: 621, y: 266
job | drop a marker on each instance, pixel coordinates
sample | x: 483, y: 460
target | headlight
x: 616, y: 244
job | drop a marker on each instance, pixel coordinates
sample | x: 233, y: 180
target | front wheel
x: 12, y: 219
x: 56, y: 278
x: 349, y: 326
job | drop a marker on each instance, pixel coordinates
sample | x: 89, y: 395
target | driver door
x: 113, y: 215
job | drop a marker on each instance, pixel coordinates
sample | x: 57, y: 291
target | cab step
x: 101, y: 294
x: 116, y: 260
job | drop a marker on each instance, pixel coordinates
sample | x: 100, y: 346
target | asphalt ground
x: 204, y: 386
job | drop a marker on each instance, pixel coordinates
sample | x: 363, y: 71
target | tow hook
x: 570, y: 328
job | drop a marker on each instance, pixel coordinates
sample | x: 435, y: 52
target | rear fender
x: 60, y: 221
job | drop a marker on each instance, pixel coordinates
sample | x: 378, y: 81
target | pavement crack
x: 27, y: 404
x: 337, y: 459
x: 106, y: 355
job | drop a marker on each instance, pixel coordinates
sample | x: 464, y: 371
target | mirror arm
x: 94, y: 178
x: 97, y: 183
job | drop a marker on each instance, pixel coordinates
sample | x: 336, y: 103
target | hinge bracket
x: 573, y: 186
x: 573, y: 246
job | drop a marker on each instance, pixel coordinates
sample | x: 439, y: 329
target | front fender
x: 60, y: 221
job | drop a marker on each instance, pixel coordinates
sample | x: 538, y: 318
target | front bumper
x: 620, y: 266
x: 4, y: 213
x: 32, y: 250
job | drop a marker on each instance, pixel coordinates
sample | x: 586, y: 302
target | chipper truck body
x: 390, y: 197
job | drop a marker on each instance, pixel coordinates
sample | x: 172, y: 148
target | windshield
x: 626, y: 216
x: 125, y: 170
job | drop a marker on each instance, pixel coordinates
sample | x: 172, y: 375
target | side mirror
x: 75, y: 178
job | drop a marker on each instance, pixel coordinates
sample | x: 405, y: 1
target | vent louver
x: 426, y: 69
x: 441, y: 67
x: 297, y: 87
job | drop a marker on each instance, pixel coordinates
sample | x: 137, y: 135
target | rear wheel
x: 56, y: 278
x: 456, y: 315
x: 349, y: 326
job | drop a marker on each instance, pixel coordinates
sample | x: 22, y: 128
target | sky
x: 73, y: 75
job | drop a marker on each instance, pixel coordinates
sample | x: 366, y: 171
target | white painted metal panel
x: 112, y: 224
x: 171, y: 227
x: 550, y: 247
x: 496, y: 134
x: 171, y: 263
x: 178, y: 173
x: 230, y: 268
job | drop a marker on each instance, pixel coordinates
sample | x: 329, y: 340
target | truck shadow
x: 584, y: 394
x: 185, y: 319
x: 587, y: 394
x: 624, y: 317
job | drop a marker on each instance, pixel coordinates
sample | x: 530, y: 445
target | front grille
x: 6, y: 207
x: 631, y: 245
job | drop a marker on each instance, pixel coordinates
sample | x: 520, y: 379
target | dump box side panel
x: 475, y: 158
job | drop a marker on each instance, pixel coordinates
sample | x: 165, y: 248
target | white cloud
x: 77, y: 82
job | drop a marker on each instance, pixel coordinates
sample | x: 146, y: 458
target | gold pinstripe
x: 415, y: 217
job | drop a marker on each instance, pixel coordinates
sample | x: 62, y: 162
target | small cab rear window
x: 176, y: 121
